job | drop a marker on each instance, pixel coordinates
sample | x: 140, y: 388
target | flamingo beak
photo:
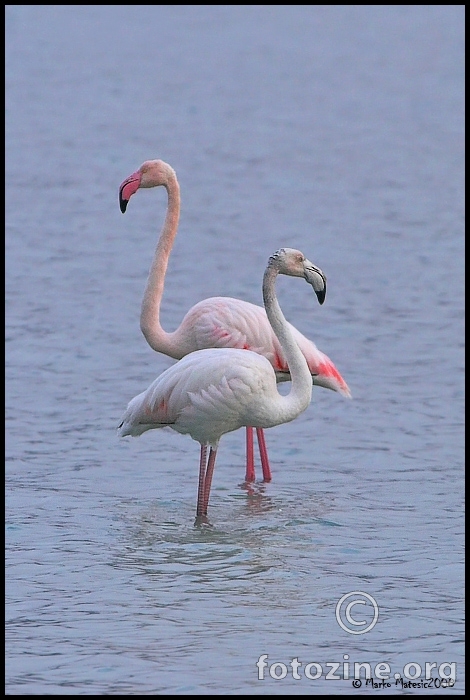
x: 321, y: 295
x: 317, y: 279
x: 128, y: 188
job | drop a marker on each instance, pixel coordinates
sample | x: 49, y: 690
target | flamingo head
x: 289, y: 261
x: 152, y: 173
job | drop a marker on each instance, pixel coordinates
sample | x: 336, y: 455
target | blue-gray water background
x: 338, y: 130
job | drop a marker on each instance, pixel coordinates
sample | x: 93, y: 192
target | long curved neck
x: 300, y: 394
x: 157, y: 338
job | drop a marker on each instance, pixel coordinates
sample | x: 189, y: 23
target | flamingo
x: 211, y: 392
x: 216, y: 322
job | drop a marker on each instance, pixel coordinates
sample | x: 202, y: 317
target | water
x: 337, y: 130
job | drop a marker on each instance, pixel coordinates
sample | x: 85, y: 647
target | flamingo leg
x: 263, y: 451
x: 202, y: 479
x: 208, y: 479
x: 250, y: 457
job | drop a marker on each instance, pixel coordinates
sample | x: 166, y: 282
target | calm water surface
x: 334, y: 129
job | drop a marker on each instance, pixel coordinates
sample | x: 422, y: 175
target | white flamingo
x: 216, y: 322
x: 214, y: 391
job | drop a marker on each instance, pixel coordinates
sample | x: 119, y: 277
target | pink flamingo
x: 211, y: 392
x: 216, y: 322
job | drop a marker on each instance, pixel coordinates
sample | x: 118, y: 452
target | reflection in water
x: 257, y: 501
x: 250, y: 531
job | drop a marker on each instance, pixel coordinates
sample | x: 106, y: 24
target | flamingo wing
x: 206, y: 394
x: 225, y: 322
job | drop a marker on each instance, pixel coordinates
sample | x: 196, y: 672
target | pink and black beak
x: 128, y: 188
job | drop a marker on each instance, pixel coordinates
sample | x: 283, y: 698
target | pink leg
x: 208, y: 479
x: 202, y: 479
x: 250, y: 456
x: 263, y: 454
